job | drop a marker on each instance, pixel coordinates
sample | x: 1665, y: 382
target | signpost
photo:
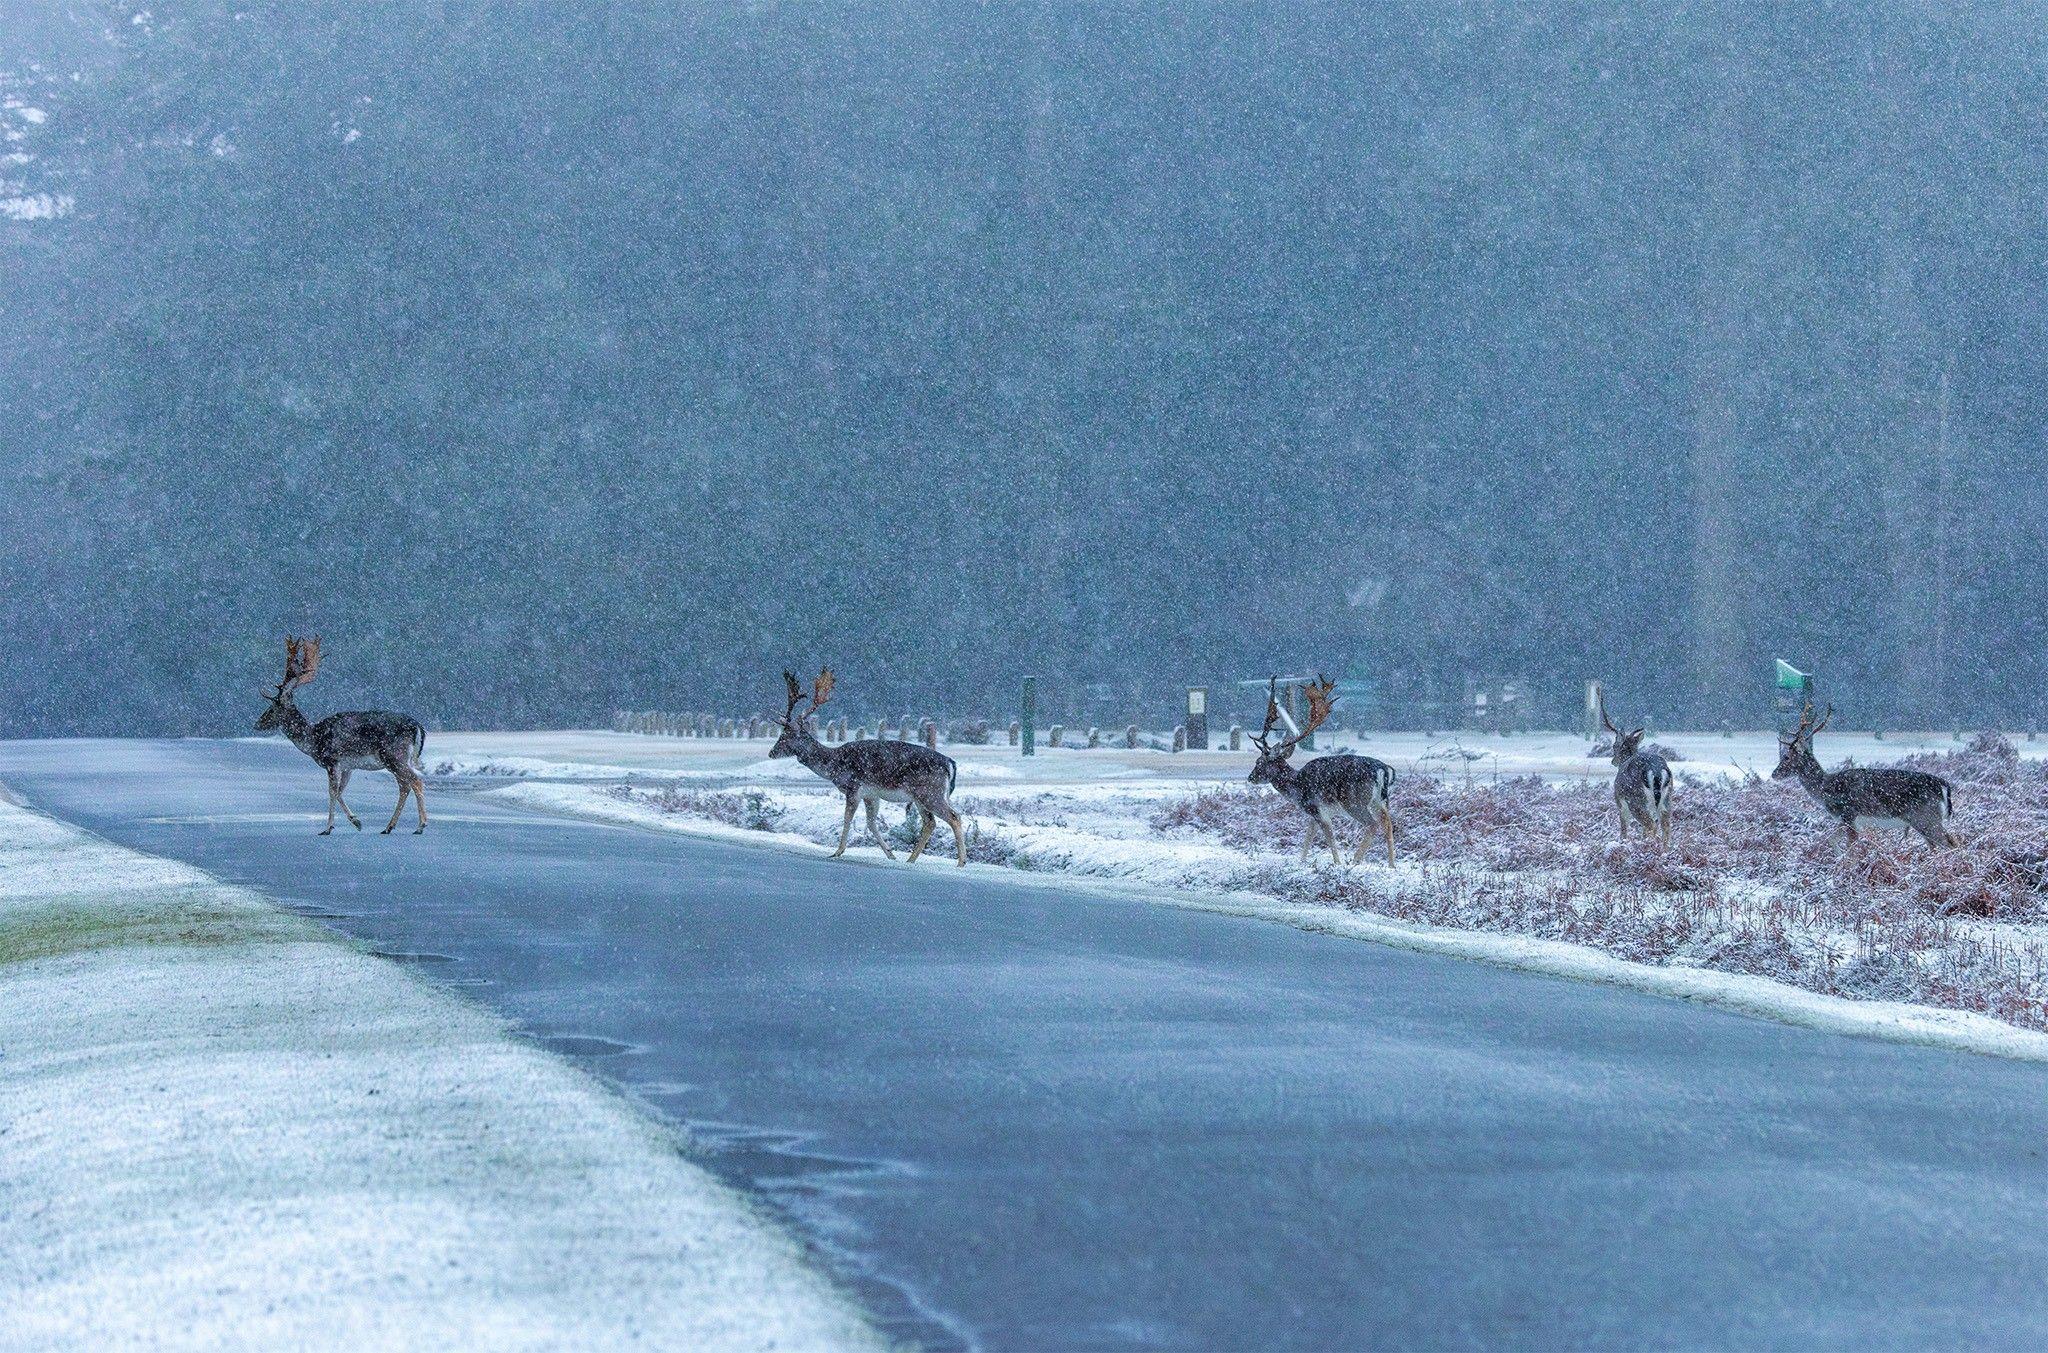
x: 1198, y: 718
x: 1592, y: 711
x: 1030, y: 716
x: 1795, y: 692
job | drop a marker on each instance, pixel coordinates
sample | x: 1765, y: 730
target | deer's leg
x: 959, y: 836
x: 852, y: 802
x: 1387, y: 826
x: 875, y: 831
x: 404, y: 788
x: 1933, y: 831
x: 1367, y: 820
x: 927, y: 821
x: 419, y: 800
x: 1323, y: 816
x: 339, y: 789
x: 328, y: 830
x: 938, y: 808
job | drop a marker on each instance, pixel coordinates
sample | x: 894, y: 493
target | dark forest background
x: 550, y: 358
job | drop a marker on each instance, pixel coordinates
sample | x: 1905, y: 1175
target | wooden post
x: 1198, y: 718
x: 1053, y: 739
x: 1094, y: 737
x: 1013, y: 732
x: 1131, y: 737
x: 1236, y: 738
x: 1180, y: 737
x: 1029, y: 716
x: 931, y: 734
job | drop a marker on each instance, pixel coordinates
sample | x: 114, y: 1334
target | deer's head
x: 1625, y: 744
x: 1795, y: 754
x: 301, y: 662
x: 1270, y: 767
x: 796, y: 724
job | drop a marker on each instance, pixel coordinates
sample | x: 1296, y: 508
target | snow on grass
x: 1758, y: 885
x: 227, y: 1128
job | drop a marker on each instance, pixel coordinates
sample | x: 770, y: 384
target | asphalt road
x: 1019, y: 1117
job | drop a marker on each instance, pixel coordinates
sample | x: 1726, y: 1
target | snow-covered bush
x: 972, y: 732
x: 1757, y: 879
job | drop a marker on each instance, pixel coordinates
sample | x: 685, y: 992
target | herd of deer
x: 869, y: 771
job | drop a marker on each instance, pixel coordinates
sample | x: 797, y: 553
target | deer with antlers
x: 361, y: 739
x: 1359, y: 786
x: 1876, y: 796
x: 1642, y: 780
x: 871, y: 770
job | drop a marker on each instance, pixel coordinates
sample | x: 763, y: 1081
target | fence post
x: 1094, y: 737
x: 1054, y: 738
x: 1198, y: 718
x: 1131, y: 736
x: 1029, y: 716
x: 931, y: 734
x: 1180, y: 737
x: 1236, y: 738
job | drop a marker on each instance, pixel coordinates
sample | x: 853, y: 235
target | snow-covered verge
x: 1758, y: 904
x: 225, y: 1127
x: 1464, y: 758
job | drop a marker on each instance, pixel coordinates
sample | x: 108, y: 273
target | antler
x: 1321, y: 695
x: 1272, y: 714
x: 301, y: 662
x: 1807, y: 727
x: 1321, y: 700
x: 821, y: 691
x: 1600, y: 699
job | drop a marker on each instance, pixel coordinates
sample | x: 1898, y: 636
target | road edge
x: 230, y: 1126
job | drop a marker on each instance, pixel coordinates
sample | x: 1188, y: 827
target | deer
x: 1868, y: 796
x: 1358, y: 785
x: 359, y: 739
x: 1642, y: 780
x: 871, y: 770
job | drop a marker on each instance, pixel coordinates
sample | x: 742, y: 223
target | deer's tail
x: 419, y: 743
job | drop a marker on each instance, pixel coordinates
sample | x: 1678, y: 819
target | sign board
x: 1790, y: 678
x: 1198, y: 718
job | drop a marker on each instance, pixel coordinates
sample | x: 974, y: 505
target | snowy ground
x: 1466, y: 757
x: 1509, y: 854
x: 225, y: 1127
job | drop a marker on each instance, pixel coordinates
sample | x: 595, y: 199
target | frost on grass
x: 750, y: 809
x: 1757, y: 879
